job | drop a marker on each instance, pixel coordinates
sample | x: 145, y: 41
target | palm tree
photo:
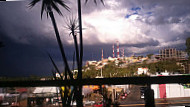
x: 72, y: 25
x: 49, y: 6
x: 79, y: 77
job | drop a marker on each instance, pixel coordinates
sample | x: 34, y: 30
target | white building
x: 142, y: 71
x: 170, y: 90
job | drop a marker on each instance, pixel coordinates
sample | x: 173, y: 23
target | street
x: 134, y: 100
x: 133, y: 97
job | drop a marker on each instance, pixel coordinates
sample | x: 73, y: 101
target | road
x: 134, y: 100
x: 133, y: 97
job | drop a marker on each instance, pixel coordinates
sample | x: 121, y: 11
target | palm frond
x: 54, y: 6
x: 55, y: 66
x: 42, y: 9
x: 48, y: 5
x: 86, y: 1
x: 95, y: 2
x: 63, y: 4
x: 33, y: 3
x: 70, y: 33
x: 72, y: 25
x: 102, y: 1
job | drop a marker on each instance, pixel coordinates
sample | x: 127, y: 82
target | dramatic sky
x: 140, y: 26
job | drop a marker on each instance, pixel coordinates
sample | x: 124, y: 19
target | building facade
x: 171, y: 53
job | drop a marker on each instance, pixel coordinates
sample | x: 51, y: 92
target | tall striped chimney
x: 117, y: 49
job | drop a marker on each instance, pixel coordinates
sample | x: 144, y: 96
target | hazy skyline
x: 140, y: 26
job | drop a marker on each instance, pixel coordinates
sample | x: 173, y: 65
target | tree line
x: 112, y: 70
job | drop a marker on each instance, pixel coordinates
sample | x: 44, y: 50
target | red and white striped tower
x: 102, y: 54
x: 117, y: 49
x: 113, y: 51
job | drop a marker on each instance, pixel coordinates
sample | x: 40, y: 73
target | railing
x: 99, y: 81
x: 149, y: 94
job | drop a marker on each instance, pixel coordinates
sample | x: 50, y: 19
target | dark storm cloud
x: 18, y: 22
x: 24, y: 60
x: 23, y: 24
x: 27, y: 38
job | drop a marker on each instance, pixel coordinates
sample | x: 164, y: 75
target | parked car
x: 123, y: 96
x: 142, y: 90
x: 99, y: 104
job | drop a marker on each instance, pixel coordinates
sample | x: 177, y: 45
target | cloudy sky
x: 140, y: 26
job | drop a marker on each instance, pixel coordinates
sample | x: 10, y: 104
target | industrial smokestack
x: 118, y: 49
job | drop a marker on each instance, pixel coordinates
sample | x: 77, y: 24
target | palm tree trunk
x: 81, y: 55
x: 67, y: 69
x: 81, y: 40
x: 76, y: 49
x: 77, y: 94
x: 60, y: 44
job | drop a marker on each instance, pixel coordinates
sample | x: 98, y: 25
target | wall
x: 172, y: 91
